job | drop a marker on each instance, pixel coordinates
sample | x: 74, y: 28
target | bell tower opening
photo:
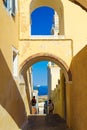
x: 46, y: 16
x: 42, y: 21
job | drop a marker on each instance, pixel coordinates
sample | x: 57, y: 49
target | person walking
x: 51, y: 107
x: 33, y: 103
x: 45, y: 107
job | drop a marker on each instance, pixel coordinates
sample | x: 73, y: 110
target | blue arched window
x: 41, y: 21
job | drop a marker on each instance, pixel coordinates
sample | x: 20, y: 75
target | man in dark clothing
x: 33, y: 103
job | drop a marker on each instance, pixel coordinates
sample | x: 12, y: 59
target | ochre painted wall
x: 12, y: 109
x: 61, y: 48
x: 75, y: 19
x: 61, y: 97
x: 8, y: 34
x: 79, y: 91
x: 58, y: 97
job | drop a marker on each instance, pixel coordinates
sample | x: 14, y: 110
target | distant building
x: 53, y: 72
x: 55, y: 25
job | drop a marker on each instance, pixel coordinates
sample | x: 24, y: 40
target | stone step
x: 46, y: 122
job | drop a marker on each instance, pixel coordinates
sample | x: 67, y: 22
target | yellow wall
x: 8, y: 34
x: 12, y: 109
x: 75, y: 19
x: 61, y: 97
x: 57, y: 101
x: 79, y: 90
x: 46, y: 46
x: 58, y: 97
x: 26, y: 90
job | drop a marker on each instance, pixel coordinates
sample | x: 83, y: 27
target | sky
x: 42, y: 19
x: 40, y: 73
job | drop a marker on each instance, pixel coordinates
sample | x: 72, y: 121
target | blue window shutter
x: 13, y: 7
x: 8, y: 5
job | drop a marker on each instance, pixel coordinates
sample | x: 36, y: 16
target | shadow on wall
x: 78, y: 3
x: 27, y: 90
x: 10, y: 98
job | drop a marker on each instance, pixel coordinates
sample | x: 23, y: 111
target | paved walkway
x: 46, y: 122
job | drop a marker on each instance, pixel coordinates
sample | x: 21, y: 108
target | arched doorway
x: 66, y: 78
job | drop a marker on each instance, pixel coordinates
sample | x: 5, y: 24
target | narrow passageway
x: 46, y: 122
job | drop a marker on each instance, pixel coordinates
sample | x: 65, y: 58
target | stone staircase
x: 46, y: 122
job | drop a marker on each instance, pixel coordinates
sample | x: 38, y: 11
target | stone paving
x: 46, y: 122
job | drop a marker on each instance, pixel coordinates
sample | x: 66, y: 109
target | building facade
x: 53, y: 72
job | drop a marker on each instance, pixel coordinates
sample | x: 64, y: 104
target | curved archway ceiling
x: 82, y: 3
x: 49, y: 57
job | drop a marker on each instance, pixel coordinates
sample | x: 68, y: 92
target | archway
x: 45, y: 56
x: 56, y: 5
x: 66, y: 72
x: 42, y: 21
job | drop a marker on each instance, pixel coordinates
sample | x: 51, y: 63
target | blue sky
x: 40, y: 73
x: 42, y: 19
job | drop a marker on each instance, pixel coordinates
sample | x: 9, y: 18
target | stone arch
x: 57, y: 5
x: 50, y: 57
